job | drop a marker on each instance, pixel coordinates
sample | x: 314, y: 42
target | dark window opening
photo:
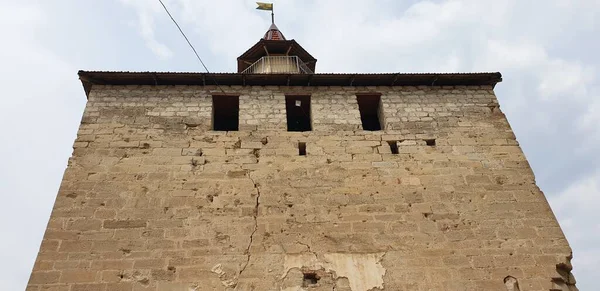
x: 297, y: 109
x: 310, y: 279
x: 302, y: 148
x: 226, y: 113
x: 370, y: 111
x: 430, y: 142
x: 393, y: 146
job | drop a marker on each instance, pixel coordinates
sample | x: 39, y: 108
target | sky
x: 546, y: 51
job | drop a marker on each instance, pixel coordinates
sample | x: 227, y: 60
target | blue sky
x: 546, y: 51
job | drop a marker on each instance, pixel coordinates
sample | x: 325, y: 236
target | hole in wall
x: 226, y: 113
x: 302, y: 148
x: 430, y: 142
x: 310, y: 279
x: 393, y: 146
x: 511, y: 284
x: 297, y: 110
x: 370, y: 112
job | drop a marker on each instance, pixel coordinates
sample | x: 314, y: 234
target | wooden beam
x: 287, y: 53
x: 91, y: 80
x: 266, y: 51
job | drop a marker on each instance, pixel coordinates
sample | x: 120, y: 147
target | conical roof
x: 273, y: 33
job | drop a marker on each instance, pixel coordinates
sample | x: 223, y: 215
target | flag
x: 264, y: 6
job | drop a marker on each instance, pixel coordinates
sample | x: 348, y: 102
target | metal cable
x: 190, y: 44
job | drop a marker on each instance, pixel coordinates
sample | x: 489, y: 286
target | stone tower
x: 279, y: 178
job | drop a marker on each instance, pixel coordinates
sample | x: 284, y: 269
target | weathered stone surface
x: 153, y: 199
x: 124, y: 224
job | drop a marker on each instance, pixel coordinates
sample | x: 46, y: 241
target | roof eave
x: 90, y: 78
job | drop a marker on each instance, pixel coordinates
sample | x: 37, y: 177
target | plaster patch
x: 364, y: 271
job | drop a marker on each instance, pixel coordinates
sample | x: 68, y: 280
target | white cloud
x: 577, y: 209
x: 147, y: 30
x: 146, y: 13
x: 222, y: 26
x: 557, y: 82
x: 514, y: 56
x: 40, y: 112
x: 590, y: 120
x: 560, y: 77
x: 588, y: 125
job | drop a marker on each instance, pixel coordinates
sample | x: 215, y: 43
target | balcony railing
x: 278, y: 65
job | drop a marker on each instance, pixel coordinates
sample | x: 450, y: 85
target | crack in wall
x: 308, y: 248
x: 247, y: 252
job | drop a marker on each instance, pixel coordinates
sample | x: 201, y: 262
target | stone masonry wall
x: 153, y: 199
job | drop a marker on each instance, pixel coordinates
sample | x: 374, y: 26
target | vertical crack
x: 248, y: 255
x: 308, y: 248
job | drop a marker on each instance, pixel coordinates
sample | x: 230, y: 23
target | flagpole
x: 272, y: 14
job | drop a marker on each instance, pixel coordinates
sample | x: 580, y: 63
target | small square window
x: 393, y: 146
x: 297, y: 109
x: 430, y: 142
x: 370, y: 112
x: 226, y: 113
x: 302, y: 148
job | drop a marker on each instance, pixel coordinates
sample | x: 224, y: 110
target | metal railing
x: 278, y: 65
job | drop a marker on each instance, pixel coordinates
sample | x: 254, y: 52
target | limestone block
x: 251, y: 145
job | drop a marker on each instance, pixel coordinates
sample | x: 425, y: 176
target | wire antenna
x: 190, y: 44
